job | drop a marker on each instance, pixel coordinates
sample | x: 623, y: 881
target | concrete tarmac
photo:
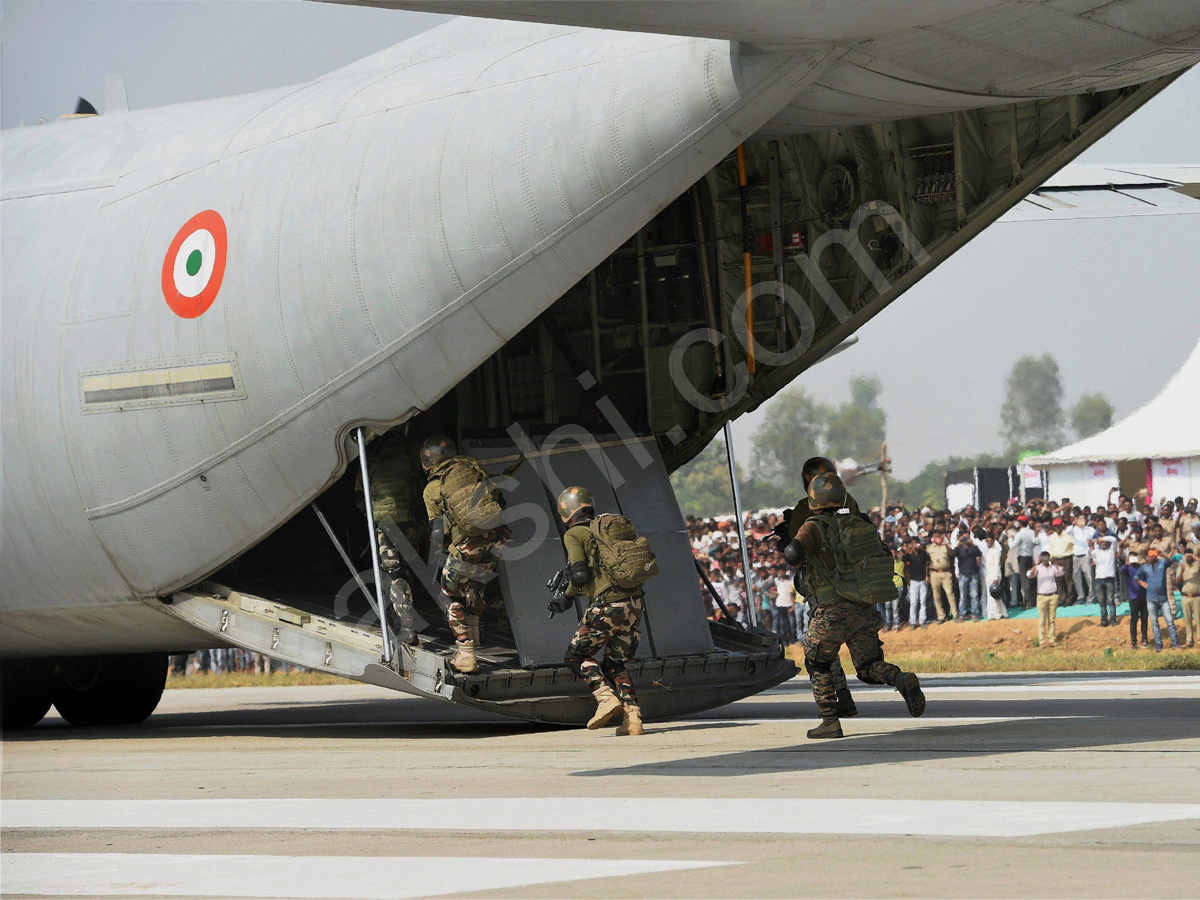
x: 1039, y: 785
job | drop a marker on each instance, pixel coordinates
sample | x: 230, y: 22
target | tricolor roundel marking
x: 195, y: 264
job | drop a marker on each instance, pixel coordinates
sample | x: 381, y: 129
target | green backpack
x: 621, y: 555
x: 863, y: 569
x: 469, y: 497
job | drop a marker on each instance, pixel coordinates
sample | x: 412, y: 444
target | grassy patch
x: 248, y: 679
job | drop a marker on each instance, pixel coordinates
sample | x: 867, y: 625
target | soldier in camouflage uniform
x: 610, y: 623
x: 839, y: 621
x: 471, y: 559
x: 398, y: 511
x: 786, y: 531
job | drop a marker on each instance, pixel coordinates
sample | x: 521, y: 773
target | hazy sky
x: 1115, y: 301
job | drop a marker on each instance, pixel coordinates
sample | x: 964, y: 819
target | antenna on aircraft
x: 83, y: 108
x: 115, y: 98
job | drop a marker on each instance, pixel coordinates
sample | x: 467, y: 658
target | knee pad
x: 574, y: 662
x: 861, y: 671
x: 816, y: 666
x: 611, y: 668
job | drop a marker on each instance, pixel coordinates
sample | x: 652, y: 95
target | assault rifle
x: 557, y: 586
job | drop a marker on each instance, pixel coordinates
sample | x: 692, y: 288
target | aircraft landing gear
x: 109, y: 690
x: 25, y: 692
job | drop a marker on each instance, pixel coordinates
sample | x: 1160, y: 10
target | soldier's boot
x: 910, y: 689
x: 845, y: 704
x: 473, y: 629
x: 829, y: 728
x: 608, y: 704
x: 632, y: 721
x: 464, y: 657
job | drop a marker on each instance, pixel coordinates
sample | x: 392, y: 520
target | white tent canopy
x: 1168, y: 427
x: 1164, y: 435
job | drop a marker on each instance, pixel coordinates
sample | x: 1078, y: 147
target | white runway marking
x: 350, y: 877
x: 922, y: 722
x: 1108, y: 687
x: 961, y: 818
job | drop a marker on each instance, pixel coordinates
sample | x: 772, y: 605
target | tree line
x: 1032, y: 420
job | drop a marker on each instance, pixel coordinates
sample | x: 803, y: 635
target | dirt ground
x: 1011, y: 645
x: 1074, y: 634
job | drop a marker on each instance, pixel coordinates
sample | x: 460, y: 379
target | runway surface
x: 1066, y: 785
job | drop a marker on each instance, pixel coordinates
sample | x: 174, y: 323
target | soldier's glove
x: 560, y: 603
x: 781, y: 530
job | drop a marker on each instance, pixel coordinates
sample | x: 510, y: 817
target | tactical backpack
x: 621, y: 555
x: 469, y: 498
x: 863, y: 572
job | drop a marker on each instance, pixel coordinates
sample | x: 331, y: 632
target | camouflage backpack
x: 469, y: 497
x: 863, y: 569
x: 395, y: 477
x: 621, y: 555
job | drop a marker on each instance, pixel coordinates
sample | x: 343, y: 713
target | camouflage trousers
x: 471, y: 564
x: 397, y: 579
x: 611, y: 626
x: 857, y: 626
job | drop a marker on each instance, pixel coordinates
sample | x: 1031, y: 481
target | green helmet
x: 826, y: 491
x: 815, y: 466
x: 572, y: 502
x: 435, y: 450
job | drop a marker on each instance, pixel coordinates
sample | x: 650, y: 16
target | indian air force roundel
x: 195, y: 264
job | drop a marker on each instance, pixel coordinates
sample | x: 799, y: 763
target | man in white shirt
x: 994, y: 605
x: 1023, y: 546
x: 731, y: 590
x: 1046, y: 575
x: 1103, y: 551
x: 785, y: 606
x: 1081, y: 562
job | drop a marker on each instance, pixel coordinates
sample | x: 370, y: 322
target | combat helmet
x: 826, y: 491
x: 437, y: 450
x: 814, y: 466
x: 575, y: 503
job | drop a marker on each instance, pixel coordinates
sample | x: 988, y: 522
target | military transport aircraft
x: 535, y: 231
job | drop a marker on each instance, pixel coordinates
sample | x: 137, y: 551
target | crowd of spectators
x: 978, y: 564
x: 225, y: 661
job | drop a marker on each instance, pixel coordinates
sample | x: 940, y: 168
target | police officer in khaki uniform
x: 1187, y: 519
x: 941, y: 578
x: 472, y: 559
x: 1160, y: 541
x: 1187, y: 580
x: 610, y: 623
x: 1167, y: 522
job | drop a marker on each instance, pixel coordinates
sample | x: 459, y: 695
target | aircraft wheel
x: 110, y: 690
x: 25, y: 689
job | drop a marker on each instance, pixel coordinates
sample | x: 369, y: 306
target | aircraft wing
x: 754, y: 21
x: 1112, y: 192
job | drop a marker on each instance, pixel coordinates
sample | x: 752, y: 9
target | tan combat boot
x: 473, y: 629
x: 829, y: 728
x: 632, y: 723
x: 608, y: 704
x: 464, y: 657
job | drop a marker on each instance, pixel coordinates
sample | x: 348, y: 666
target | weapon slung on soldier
x: 557, y: 586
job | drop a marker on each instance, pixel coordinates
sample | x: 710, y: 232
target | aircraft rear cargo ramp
x: 684, y: 661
